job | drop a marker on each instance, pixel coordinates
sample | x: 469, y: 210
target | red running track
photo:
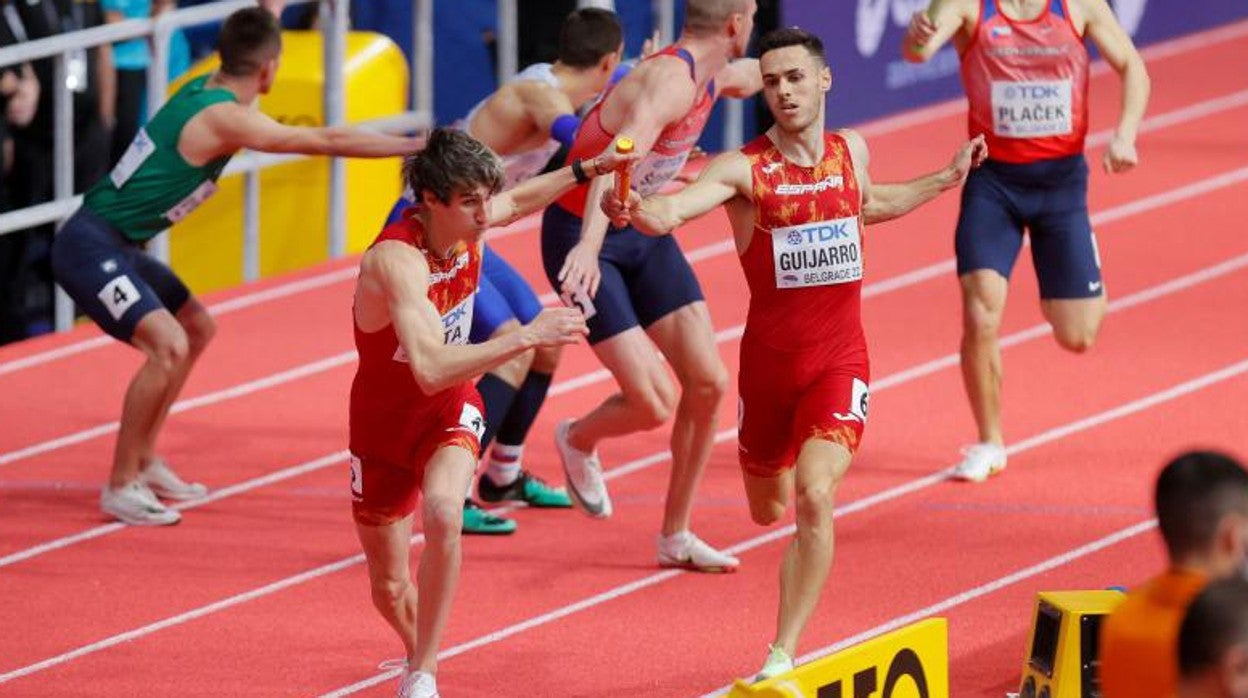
x: 261, y: 590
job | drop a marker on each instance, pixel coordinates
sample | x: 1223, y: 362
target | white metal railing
x: 334, y: 15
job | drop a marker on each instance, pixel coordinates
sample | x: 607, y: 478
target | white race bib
x: 1031, y: 109
x: 192, y: 201
x: 821, y: 253
x: 656, y: 170
x: 457, y: 323
x: 141, y: 148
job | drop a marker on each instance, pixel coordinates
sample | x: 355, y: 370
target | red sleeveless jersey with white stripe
x: 1027, y: 84
x: 804, y: 264
x: 386, y: 401
x: 665, y: 159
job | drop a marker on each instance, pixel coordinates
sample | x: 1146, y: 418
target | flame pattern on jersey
x: 785, y: 196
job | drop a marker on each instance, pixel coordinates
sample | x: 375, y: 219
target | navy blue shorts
x: 111, y: 278
x: 643, y: 278
x: 502, y: 296
x: 1050, y: 200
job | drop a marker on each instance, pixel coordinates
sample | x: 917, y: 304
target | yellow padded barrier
x: 206, y: 249
x: 911, y: 662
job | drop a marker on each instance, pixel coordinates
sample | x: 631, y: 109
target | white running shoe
x: 418, y: 684
x: 686, y: 551
x: 134, y: 504
x: 163, y: 482
x: 584, y: 474
x: 981, y: 461
x: 778, y: 662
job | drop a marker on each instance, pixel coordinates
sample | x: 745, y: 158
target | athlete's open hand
x: 921, y: 29
x: 971, y: 155
x: 1120, y: 156
x: 557, y: 326
x: 620, y: 212
x: 580, y: 270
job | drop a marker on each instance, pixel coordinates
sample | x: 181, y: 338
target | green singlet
x: 152, y: 187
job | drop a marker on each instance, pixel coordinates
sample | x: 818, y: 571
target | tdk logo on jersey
x: 1034, y: 92
x: 829, y: 182
x: 824, y: 232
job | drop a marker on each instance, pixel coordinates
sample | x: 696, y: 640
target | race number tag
x: 357, y: 479
x: 470, y: 418
x: 457, y: 323
x: 141, y: 148
x: 1031, y: 109
x: 118, y: 295
x: 822, y: 253
x: 656, y: 170
x: 192, y: 201
x: 579, y: 299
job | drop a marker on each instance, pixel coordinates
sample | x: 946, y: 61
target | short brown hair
x: 451, y: 162
x: 250, y: 37
x: 792, y: 36
x: 587, y: 35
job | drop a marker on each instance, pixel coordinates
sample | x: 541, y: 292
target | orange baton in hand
x: 623, y: 145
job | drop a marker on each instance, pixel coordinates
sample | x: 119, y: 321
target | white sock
x: 504, y: 465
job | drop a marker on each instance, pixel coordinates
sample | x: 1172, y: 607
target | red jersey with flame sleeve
x: 1027, y: 84
x: 665, y: 159
x: 392, y: 420
x: 804, y: 366
x: 804, y: 264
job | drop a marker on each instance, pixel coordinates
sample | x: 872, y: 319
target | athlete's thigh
x: 489, y: 312
x: 821, y: 465
x: 1063, y: 246
x: 768, y: 392
x: 383, y: 492
x: 96, y: 271
x: 387, y: 547
x: 661, y: 281
x: 768, y: 495
x: 989, y: 234
x: 514, y: 289
x: 638, y: 368
x: 447, y: 473
x: 833, y: 408
x: 687, y: 338
x: 172, y: 292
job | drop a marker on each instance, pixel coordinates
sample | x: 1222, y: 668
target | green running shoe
x: 478, y: 521
x: 778, y: 662
x: 527, y: 488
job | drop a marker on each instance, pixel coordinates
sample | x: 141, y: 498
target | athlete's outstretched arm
x: 932, y: 28
x: 643, y: 104
x: 236, y: 126
x: 740, y: 79
x: 1119, y: 52
x: 726, y: 176
x: 396, y: 274
x: 538, y: 192
x: 886, y: 201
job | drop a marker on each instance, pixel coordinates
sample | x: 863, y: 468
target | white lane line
x: 1127, y: 409
x: 892, y: 380
x: 971, y: 594
x: 875, y: 127
x: 1046, y: 437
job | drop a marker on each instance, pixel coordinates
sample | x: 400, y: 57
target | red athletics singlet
x: 664, y: 160
x: 395, y: 427
x: 1027, y: 84
x: 804, y: 367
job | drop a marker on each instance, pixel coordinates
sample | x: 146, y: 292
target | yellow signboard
x: 912, y: 662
